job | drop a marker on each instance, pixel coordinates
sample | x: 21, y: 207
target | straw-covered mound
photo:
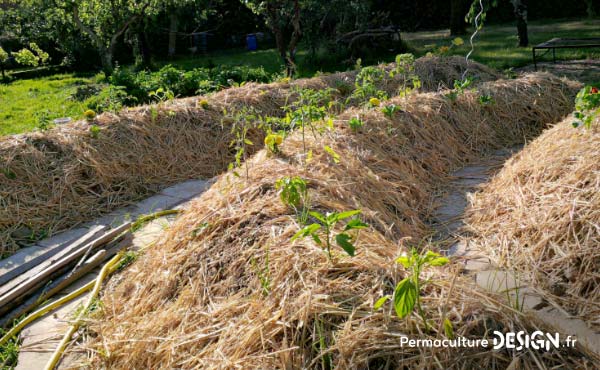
x: 541, y: 217
x: 53, y: 180
x: 227, y: 288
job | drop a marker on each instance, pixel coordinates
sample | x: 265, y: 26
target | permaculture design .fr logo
x: 518, y: 341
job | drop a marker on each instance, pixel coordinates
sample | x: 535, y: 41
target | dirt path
x: 449, y: 235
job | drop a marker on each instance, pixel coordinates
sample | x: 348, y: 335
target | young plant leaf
x: 343, y: 215
x: 306, y: 231
x: 318, y: 216
x: 448, y: 329
x: 380, y: 302
x: 404, y: 261
x: 355, y: 224
x: 343, y: 240
x: 332, y: 153
x: 405, y: 297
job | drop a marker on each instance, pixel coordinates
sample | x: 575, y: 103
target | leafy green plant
x: 486, y: 100
x: 95, y: 131
x: 587, y: 106
x: 161, y: 95
x: 44, y: 122
x: 355, y: 123
x: 34, y: 56
x: 308, y: 108
x: 242, y: 121
x: 294, y: 193
x: 460, y: 86
x: 324, y: 229
x: 389, y: 110
x: 9, y: 352
x: 407, y: 293
x: 365, y: 85
x: 405, y: 70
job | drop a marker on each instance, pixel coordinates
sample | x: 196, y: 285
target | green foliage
x: 198, y: 81
x: 3, y: 55
x: 294, y: 194
x: 241, y: 122
x: 486, y: 100
x: 407, y: 292
x: 111, y: 99
x: 366, y: 84
x: 355, y: 123
x: 405, y: 70
x: 460, y: 86
x: 308, y: 108
x: 95, y: 131
x: 587, y: 106
x: 44, y: 122
x: 9, y: 352
x: 161, y: 95
x: 389, y: 110
x: 34, y: 56
x: 332, y: 153
x: 324, y: 229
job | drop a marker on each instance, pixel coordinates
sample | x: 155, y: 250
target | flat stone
x: 497, y: 281
x: 116, y: 217
x: 453, y: 205
x: 155, y: 204
x: 187, y: 189
x: 63, y: 237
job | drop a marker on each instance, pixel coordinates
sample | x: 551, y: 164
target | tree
x: 283, y: 18
x: 3, y: 59
x: 104, y: 22
x: 521, y: 14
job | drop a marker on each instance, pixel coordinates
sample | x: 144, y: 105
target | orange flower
x: 594, y: 90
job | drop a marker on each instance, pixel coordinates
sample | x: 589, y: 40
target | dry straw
x: 196, y: 300
x: 541, y: 217
x: 69, y: 175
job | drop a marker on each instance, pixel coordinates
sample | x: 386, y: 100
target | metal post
x: 534, y: 61
x: 554, y: 55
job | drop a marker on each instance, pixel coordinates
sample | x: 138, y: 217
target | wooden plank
x: 64, y: 259
x: 10, y: 275
x: 65, y: 281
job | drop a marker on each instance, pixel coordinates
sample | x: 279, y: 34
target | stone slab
x: 187, y: 189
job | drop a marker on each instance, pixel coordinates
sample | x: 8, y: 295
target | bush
x: 184, y: 83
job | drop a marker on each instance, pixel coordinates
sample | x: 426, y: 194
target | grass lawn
x: 496, y: 46
x: 22, y: 101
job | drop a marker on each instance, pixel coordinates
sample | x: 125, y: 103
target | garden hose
x: 108, y: 268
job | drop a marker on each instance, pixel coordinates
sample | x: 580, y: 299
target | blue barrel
x: 251, y: 42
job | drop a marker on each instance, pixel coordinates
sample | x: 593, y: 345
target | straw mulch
x: 67, y: 176
x: 541, y: 217
x: 195, y: 299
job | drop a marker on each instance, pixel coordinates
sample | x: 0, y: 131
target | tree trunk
x: 106, y: 60
x: 458, y: 25
x: 521, y: 15
x: 144, y: 49
x: 591, y: 12
x: 172, y: 34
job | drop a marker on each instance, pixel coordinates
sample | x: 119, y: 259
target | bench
x: 558, y: 43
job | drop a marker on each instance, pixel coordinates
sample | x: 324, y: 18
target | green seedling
x: 407, y: 293
x: 294, y: 194
x: 241, y: 121
x: 264, y: 274
x: 486, y: 100
x: 389, y: 110
x: 322, y: 231
x: 355, y: 123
